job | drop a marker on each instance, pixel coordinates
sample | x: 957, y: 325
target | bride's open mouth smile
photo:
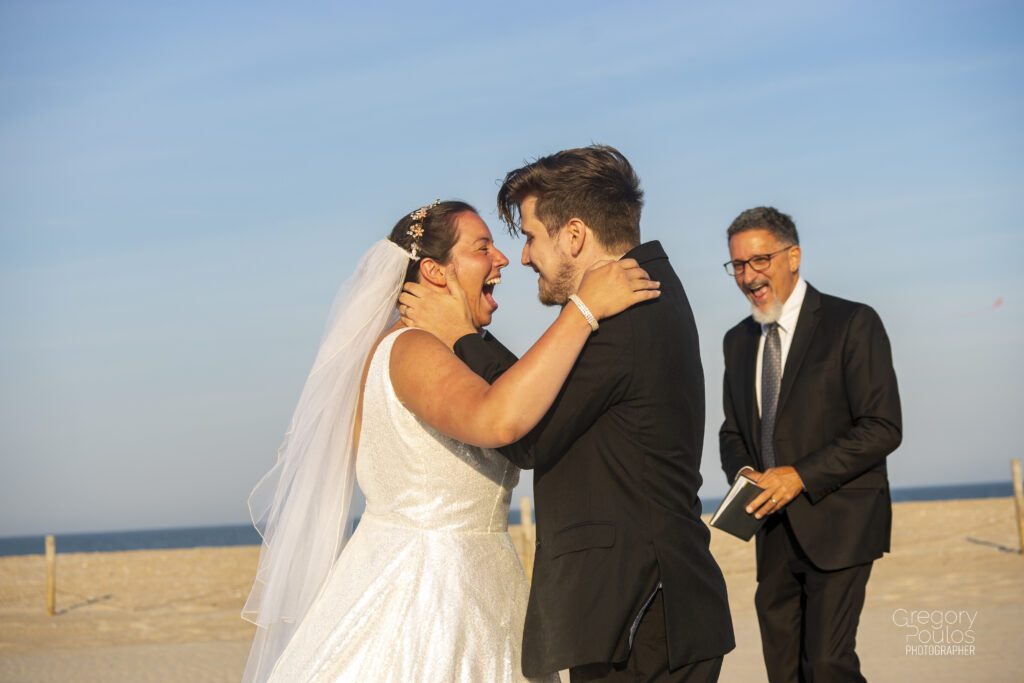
x: 487, y: 291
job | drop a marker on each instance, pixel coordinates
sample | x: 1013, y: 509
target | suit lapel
x: 805, y: 326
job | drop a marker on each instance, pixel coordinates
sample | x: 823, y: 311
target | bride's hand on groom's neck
x: 610, y: 287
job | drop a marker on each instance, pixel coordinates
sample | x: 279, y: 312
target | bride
x: 428, y: 587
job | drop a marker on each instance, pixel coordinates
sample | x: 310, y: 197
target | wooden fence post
x: 51, y: 575
x: 1018, y: 498
x: 529, y: 535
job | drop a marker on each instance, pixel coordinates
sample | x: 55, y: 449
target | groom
x: 624, y: 586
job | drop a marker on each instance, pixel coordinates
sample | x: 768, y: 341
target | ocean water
x: 245, y: 534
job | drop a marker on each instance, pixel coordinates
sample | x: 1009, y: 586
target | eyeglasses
x: 759, y: 263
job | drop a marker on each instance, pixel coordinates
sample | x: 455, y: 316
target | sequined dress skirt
x: 406, y: 604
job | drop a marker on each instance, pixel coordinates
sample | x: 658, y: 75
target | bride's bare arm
x: 442, y: 391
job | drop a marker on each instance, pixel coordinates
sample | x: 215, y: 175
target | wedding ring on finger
x: 774, y: 502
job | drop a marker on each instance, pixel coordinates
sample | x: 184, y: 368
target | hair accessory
x: 411, y: 255
x: 591, y: 320
x: 415, y: 230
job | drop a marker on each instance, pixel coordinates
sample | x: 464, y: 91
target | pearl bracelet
x: 591, y: 320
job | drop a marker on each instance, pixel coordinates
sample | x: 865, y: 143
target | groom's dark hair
x: 595, y: 184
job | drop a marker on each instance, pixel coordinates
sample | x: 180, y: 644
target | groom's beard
x: 556, y: 292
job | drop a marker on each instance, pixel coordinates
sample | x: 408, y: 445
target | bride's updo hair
x: 439, y: 233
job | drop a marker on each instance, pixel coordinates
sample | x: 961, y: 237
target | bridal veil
x: 303, y: 506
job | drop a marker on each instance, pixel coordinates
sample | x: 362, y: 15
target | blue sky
x: 184, y: 186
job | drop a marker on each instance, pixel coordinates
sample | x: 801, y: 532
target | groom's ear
x: 576, y: 233
x: 433, y: 272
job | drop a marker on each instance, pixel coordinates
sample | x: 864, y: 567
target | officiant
x: 812, y: 410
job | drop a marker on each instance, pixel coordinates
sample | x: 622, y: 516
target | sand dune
x: 173, y: 615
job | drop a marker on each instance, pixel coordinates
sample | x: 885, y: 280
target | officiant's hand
x: 442, y: 312
x: 781, y: 485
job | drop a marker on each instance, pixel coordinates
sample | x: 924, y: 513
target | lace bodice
x: 412, y: 475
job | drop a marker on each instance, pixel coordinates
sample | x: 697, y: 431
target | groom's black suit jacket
x: 616, y: 465
x: 837, y: 419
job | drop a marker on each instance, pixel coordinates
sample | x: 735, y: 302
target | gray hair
x: 765, y: 218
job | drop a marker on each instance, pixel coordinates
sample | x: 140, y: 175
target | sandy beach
x: 173, y: 615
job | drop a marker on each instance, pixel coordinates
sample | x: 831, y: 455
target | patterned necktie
x: 771, y: 379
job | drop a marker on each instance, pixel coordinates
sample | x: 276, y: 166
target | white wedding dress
x: 429, y: 588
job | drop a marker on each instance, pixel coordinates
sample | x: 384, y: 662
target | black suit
x: 838, y: 417
x: 616, y: 474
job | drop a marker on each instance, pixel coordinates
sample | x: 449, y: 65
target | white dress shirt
x: 787, y: 328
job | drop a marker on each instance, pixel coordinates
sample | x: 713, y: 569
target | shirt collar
x: 791, y: 307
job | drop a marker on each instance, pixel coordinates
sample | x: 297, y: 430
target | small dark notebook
x: 731, y: 516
